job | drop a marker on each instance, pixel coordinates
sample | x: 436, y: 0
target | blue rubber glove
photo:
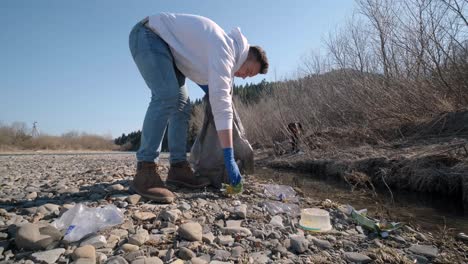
x: 231, y: 167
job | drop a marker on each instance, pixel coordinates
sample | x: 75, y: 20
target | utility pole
x: 35, y: 131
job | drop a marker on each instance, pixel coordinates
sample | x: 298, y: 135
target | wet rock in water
x: 186, y: 254
x: 462, y: 237
x: 299, y: 244
x: 424, y: 250
x: 191, y: 231
x: 34, y: 237
x: 49, y: 256
x: 357, y: 257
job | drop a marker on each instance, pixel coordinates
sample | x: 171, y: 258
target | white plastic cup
x: 315, y: 219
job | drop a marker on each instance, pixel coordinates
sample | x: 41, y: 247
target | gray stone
x: 424, y: 250
x: 186, y: 254
x: 142, y: 216
x: 48, y: 209
x: 97, y: 241
x: 237, y: 252
x: 233, y: 223
x: 191, y: 231
x: 117, y: 187
x: 183, y: 206
x: 34, y: 237
x: 208, y: 238
x: 236, y: 231
x: 133, y: 199
x: 277, y: 221
x: 129, y: 247
x: 139, y: 238
x: 260, y: 257
x: 121, y: 233
x: 116, y: 260
x: 49, y: 256
x: 198, y: 261
x: 357, y: 257
x: 299, y: 244
x: 170, y: 215
x: 220, y: 254
x: 145, y: 260
x: 323, y: 244
x: 240, y: 211
x: 131, y: 256
x: 85, y: 252
x: 225, y: 240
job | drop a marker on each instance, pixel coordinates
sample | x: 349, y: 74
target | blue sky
x: 67, y: 65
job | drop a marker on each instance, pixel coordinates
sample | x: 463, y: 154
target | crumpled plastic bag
x: 206, y: 155
x: 81, y: 220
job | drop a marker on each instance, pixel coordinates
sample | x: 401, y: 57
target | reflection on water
x: 430, y: 213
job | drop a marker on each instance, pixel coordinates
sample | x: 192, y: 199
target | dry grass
x: 16, y: 137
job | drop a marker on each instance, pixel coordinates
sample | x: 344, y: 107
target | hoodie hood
x: 241, y: 46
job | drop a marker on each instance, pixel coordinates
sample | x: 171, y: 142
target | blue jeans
x: 169, y: 106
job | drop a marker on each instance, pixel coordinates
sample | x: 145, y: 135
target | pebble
x: 323, y: 244
x: 129, y: 247
x: 116, y: 260
x: 299, y: 244
x: 186, y: 254
x: 240, y: 211
x: 139, y: 238
x: 85, y: 252
x: 142, y: 216
x: 133, y: 199
x: 49, y: 256
x: 191, y: 231
x: 97, y: 241
x: 424, y: 250
x: 357, y: 257
x: 221, y: 229
x: 170, y: 215
x: 34, y: 237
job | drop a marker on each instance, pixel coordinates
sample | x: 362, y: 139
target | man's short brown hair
x: 258, y: 54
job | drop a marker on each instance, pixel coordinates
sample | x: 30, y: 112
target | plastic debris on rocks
x: 381, y: 227
x: 81, y: 220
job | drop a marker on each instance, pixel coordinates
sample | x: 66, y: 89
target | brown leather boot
x: 148, y: 183
x: 180, y: 174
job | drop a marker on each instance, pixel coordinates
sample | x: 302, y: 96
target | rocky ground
x: 201, y: 226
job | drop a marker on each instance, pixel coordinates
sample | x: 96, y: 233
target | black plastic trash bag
x: 206, y: 155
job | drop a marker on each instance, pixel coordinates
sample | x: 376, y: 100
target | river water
x: 429, y: 213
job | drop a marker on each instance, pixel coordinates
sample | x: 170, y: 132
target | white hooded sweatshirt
x: 205, y: 54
